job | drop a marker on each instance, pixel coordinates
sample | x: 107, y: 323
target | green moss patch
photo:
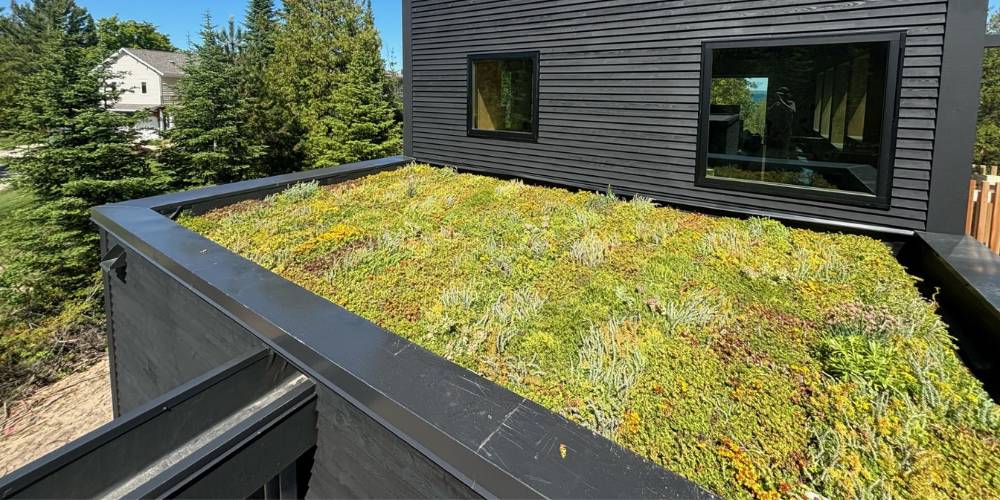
x: 755, y: 359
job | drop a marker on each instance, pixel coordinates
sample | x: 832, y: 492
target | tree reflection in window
x: 503, y: 94
x: 809, y: 116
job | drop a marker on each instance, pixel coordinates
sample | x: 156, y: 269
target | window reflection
x: 808, y: 116
x: 503, y: 94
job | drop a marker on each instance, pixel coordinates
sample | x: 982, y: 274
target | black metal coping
x: 973, y: 263
x: 963, y: 276
x: 208, y: 198
x: 496, y: 442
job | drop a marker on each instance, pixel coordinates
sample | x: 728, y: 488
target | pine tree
x: 987, y: 149
x: 24, y: 33
x: 268, y: 117
x: 362, y: 123
x: 231, y: 38
x: 85, y: 157
x: 327, y: 66
x: 210, y: 143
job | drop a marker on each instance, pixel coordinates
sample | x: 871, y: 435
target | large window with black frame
x: 810, y: 118
x: 503, y: 95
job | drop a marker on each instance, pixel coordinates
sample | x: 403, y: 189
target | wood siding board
x: 618, y: 101
x: 358, y: 458
x: 694, y: 198
x: 599, y: 181
x: 165, y: 335
x: 692, y: 15
x: 643, y: 22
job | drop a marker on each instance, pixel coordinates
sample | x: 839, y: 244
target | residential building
x: 148, y: 79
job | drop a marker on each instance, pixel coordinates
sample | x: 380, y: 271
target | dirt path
x: 54, y: 416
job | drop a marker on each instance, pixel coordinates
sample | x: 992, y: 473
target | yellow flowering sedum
x: 757, y: 360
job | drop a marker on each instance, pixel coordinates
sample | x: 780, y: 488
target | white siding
x: 132, y: 73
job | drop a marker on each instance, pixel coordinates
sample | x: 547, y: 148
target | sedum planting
x: 755, y: 359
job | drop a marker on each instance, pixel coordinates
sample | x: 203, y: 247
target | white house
x: 148, y: 79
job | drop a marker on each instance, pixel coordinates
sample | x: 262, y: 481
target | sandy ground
x: 54, y: 416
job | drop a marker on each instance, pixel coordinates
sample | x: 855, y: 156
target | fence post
x: 994, y: 240
x: 970, y: 207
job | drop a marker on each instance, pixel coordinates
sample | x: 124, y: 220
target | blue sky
x: 181, y: 19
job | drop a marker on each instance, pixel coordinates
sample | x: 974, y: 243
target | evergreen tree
x: 24, y: 33
x: 362, y: 122
x: 9, y: 76
x: 987, y: 149
x: 85, y: 157
x: 231, y: 38
x: 327, y: 66
x: 268, y: 117
x: 210, y: 143
x: 310, y: 53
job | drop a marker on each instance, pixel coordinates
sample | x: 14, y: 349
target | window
x: 805, y: 117
x: 143, y: 87
x: 503, y: 96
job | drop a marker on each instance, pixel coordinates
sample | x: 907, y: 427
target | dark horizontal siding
x: 619, y: 87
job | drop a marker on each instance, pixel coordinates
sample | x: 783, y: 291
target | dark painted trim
x: 407, y: 78
x: 109, y: 328
x: 470, y: 83
x: 970, y: 274
x: 208, y: 198
x: 254, y: 451
x: 890, y: 113
x: 45, y: 468
x: 495, y: 442
x: 963, y: 276
x: 958, y: 106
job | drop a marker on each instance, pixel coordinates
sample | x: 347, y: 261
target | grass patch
x: 38, y: 349
x: 755, y: 359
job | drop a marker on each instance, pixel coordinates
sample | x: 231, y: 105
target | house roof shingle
x: 170, y: 64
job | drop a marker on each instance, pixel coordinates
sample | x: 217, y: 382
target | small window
x: 143, y: 87
x: 805, y: 117
x: 503, y: 96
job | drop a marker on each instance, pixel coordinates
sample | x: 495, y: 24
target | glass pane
x: 808, y: 116
x: 503, y: 94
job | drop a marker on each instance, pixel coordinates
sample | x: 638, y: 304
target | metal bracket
x: 114, y: 261
x: 176, y: 213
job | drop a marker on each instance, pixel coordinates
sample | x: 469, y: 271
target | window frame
x: 470, y: 130
x: 887, y: 140
x: 143, y: 84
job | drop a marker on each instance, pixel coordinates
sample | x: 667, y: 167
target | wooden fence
x: 982, y: 220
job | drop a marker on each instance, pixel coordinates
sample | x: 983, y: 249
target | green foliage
x: 83, y: 155
x: 209, y: 143
x: 737, y: 91
x: 87, y: 156
x: 40, y: 351
x: 40, y: 341
x: 268, y: 119
x: 987, y: 150
x: 359, y: 122
x: 27, y: 34
x: 327, y: 69
x: 755, y: 359
x: 114, y: 34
